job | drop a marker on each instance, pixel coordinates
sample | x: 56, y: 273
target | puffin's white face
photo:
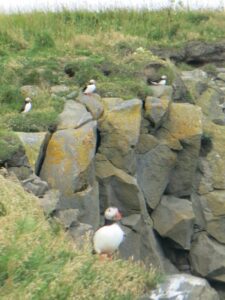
x: 27, y: 99
x: 163, y: 77
x: 113, y: 213
x: 92, y: 81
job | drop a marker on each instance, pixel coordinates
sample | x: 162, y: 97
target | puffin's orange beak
x: 118, y: 216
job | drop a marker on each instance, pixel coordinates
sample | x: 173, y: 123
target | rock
x: 156, y: 110
x: 22, y: 172
x: 30, y: 90
x: 194, y: 52
x: 221, y: 76
x: 68, y: 164
x: 207, y: 257
x: 111, y: 102
x: 162, y: 91
x: 74, y: 115
x: 184, y: 124
x: 120, y: 130
x: 216, y: 156
x: 93, y: 104
x: 178, y: 220
x: 68, y: 218
x: 72, y: 95
x: 146, y: 143
x: 60, y: 90
x: 196, y: 74
x: 212, y: 206
x: 180, y: 92
x: 87, y: 202
x: 153, y: 172
x: 117, y: 188
x: 50, y: 202
x: 35, y: 185
x: 183, y: 287
x: 80, y: 232
x: 32, y: 142
x: 140, y: 243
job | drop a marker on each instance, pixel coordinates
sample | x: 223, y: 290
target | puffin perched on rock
x: 90, y: 88
x: 162, y: 81
x: 26, y: 105
x: 108, y: 238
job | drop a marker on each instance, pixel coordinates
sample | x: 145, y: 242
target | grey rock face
x: 68, y: 165
x: 74, y: 115
x: 50, y: 202
x: 178, y: 220
x: 120, y: 130
x: 207, y: 257
x: 35, y: 185
x: 153, y: 172
x: 93, y: 104
x: 183, y: 287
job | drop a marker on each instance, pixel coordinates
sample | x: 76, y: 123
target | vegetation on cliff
x: 37, y: 260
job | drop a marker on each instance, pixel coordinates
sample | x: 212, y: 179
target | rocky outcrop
x: 183, y: 286
x: 195, y: 52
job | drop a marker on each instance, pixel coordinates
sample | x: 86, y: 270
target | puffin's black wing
x: 83, y: 90
x: 23, y: 107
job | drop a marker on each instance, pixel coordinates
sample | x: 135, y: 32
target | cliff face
x: 161, y: 162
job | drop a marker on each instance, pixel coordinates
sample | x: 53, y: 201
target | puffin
x: 26, y: 105
x: 162, y: 81
x: 90, y: 88
x: 108, y: 238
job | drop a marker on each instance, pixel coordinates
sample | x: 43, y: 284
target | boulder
x: 207, y: 257
x: 212, y: 206
x: 68, y: 164
x: 111, y: 102
x: 184, y: 124
x: 74, y: 115
x: 153, y: 172
x: 120, y: 130
x: 93, y: 104
x: 32, y: 142
x: 183, y: 287
x: 141, y: 243
x: 35, y: 185
x: 178, y: 220
x: 162, y: 91
x: 68, y: 217
x: 117, y: 188
x: 60, y: 90
x: 216, y: 156
x: 156, y: 110
x: 87, y: 202
x: 50, y: 202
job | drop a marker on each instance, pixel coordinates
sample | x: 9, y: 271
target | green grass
x: 39, y: 262
x: 9, y: 145
x: 38, y: 48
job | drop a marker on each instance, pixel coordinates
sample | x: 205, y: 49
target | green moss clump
x: 9, y: 145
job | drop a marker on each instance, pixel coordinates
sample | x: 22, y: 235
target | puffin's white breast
x: 90, y: 89
x: 27, y: 107
x: 108, y: 238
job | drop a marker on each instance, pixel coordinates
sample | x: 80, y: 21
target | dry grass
x: 38, y: 261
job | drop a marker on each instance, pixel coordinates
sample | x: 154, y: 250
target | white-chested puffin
x: 26, y: 105
x: 162, y: 81
x: 108, y: 238
x: 90, y: 88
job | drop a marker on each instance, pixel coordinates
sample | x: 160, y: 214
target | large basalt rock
x: 174, y: 218
x: 216, y: 157
x: 93, y: 104
x: 120, y: 130
x: 183, y: 287
x: 153, y: 172
x: 162, y: 91
x: 32, y: 142
x: 87, y: 202
x: 207, y: 257
x: 210, y: 209
x: 141, y: 244
x: 74, y: 115
x: 117, y: 188
x: 30, y: 90
x: 68, y: 164
x: 184, y: 124
x: 156, y: 110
